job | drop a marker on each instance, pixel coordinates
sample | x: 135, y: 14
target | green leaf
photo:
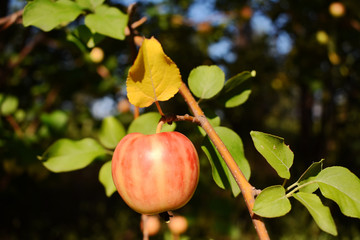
x: 220, y: 172
x: 318, y: 211
x: 47, y: 14
x: 106, y: 180
x: 272, y: 202
x: 8, y: 104
x: 343, y: 187
x: 314, y: 169
x: 89, y: 4
x: 56, y: 120
x: 274, y: 150
x: 68, y: 155
x: 147, y: 123
x: 111, y: 132
x: 108, y: 21
x: 236, y: 90
x: 206, y: 81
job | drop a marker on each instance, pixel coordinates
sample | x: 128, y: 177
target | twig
x: 26, y: 50
x: 10, y: 20
x: 15, y: 126
x: 247, y: 190
x: 175, y: 118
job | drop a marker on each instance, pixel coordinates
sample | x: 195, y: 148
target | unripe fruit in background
x: 155, y: 173
x: 337, y: 9
x: 152, y: 225
x: 96, y: 54
x: 178, y: 225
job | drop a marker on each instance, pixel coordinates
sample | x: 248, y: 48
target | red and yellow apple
x: 155, y: 173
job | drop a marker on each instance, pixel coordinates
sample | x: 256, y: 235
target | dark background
x: 306, y: 90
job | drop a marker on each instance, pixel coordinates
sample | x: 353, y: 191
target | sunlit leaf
x: 206, y: 81
x: 68, y: 155
x: 89, y: 4
x: 109, y: 21
x: 106, y: 180
x: 236, y: 90
x: 220, y: 172
x: 272, y: 202
x: 111, y: 132
x: 274, y: 150
x: 318, y: 211
x: 147, y: 123
x: 343, y: 187
x: 47, y: 14
x: 153, y: 77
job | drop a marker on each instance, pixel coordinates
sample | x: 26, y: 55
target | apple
x: 155, y: 173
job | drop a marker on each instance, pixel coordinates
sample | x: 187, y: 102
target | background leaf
x: 236, y: 90
x: 83, y: 35
x: 274, y: 150
x: 272, y: 202
x: 56, y: 120
x: 318, y: 211
x: 68, y: 155
x: 343, y: 187
x: 206, y: 81
x: 108, y: 21
x: 111, y: 132
x: 154, y: 76
x: 147, y: 123
x: 220, y: 172
x: 8, y: 104
x: 106, y: 180
x: 47, y: 14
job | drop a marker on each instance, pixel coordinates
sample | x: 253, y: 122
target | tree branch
x: 247, y: 190
x: 10, y: 20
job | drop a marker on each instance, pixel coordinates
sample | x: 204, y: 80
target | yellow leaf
x: 153, y: 76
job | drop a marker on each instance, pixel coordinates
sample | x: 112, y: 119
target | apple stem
x: 159, y: 126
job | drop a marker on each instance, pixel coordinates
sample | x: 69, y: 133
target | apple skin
x: 155, y: 173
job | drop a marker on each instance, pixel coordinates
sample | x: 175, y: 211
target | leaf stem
x: 159, y: 108
x: 297, y: 188
x: 246, y: 188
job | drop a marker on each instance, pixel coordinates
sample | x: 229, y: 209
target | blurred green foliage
x: 50, y: 88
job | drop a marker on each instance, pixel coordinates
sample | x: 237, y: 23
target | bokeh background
x: 307, y: 89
